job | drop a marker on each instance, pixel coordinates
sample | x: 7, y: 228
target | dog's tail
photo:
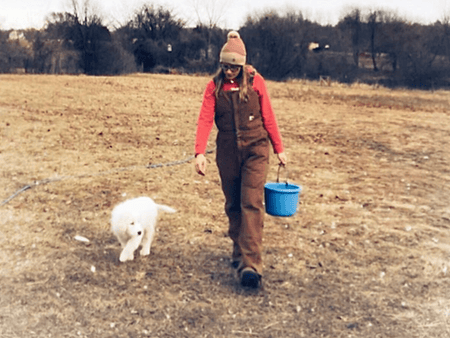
x: 165, y: 208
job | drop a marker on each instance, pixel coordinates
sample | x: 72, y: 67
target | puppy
x: 133, y: 222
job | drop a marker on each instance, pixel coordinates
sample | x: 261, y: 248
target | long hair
x: 243, y: 79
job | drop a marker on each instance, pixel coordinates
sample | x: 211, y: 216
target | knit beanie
x: 233, y: 51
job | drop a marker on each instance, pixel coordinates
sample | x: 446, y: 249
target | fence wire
x: 102, y: 173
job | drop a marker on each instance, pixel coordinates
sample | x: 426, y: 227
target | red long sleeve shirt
x: 206, y: 117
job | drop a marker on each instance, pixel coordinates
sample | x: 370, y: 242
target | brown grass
x: 366, y: 255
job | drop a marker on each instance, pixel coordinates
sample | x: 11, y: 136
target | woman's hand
x: 282, y: 158
x: 200, y: 164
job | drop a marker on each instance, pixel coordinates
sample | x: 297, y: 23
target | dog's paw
x: 124, y: 258
x: 145, y: 252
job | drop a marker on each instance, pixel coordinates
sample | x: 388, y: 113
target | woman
x: 237, y: 100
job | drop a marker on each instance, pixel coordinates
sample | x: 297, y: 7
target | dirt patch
x: 366, y: 255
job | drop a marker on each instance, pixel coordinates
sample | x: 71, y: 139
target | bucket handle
x: 278, y: 174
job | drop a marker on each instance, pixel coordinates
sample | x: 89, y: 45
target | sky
x: 22, y: 14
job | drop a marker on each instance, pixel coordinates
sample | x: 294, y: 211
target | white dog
x: 133, y: 222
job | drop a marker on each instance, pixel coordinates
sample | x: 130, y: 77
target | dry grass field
x: 366, y: 255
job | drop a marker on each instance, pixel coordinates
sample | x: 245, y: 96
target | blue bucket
x: 281, y: 198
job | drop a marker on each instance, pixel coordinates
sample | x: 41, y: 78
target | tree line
x: 373, y: 46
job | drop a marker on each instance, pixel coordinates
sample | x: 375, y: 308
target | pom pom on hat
x: 232, y: 35
x: 233, y: 52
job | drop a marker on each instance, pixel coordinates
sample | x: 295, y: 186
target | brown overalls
x: 242, y: 159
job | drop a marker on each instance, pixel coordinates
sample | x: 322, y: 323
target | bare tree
x: 83, y: 27
x: 391, y: 37
x: 352, y: 24
x: 85, y: 11
x: 154, y: 32
x: 277, y: 44
x: 373, y: 22
x: 209, y: 15
x: 91, y: 31
x: 156, y: 23
x: 446, y: 34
